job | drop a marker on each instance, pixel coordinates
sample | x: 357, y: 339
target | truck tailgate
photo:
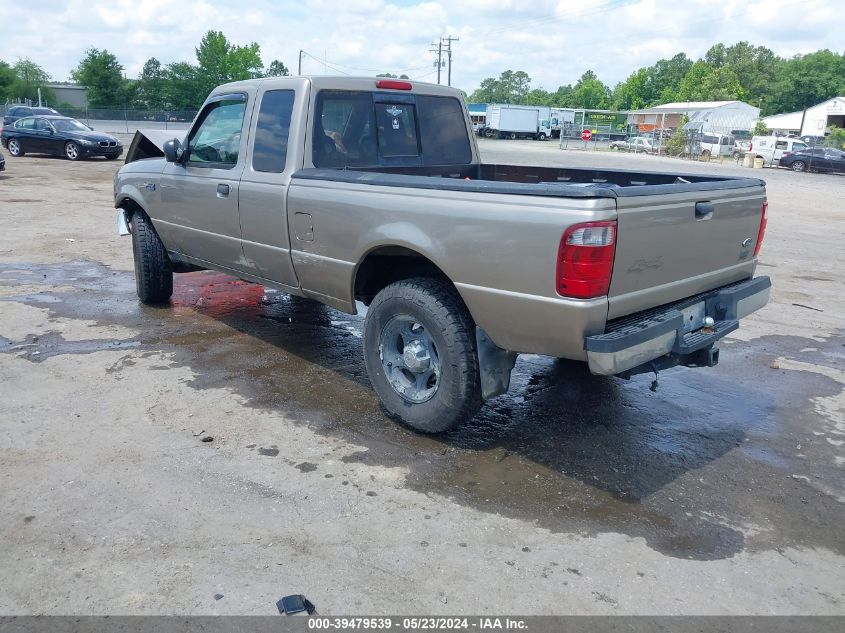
x: 673, y: 245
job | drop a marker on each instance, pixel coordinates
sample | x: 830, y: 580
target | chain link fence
x: 124, y: 120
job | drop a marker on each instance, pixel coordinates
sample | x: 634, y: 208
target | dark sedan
x: 58, y: 135
x: 824, y: 159
x: 2, y: 162
x: 18, y: 112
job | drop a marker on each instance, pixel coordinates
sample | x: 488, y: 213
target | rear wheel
x: 513, y: 136
x: 799, y: 165
x: 72, y: 151
x: 420, y: 354
x: 15, y: 148
x: 153, y: 269
x: 705, y: 155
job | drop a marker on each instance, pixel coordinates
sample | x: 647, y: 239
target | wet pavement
x: 715, y: 462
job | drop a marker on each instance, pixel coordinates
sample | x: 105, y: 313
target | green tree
x: 151, y: 85
x: 760, y: 129
x: 590, y: 92
x: 706, y: 83
x: 510, y: 87
x: 836, y: 138
x: 29, y: 77
x: 806, y: 80
x: 677, y: 143
x: 538, y: 96
x: 7, y: 78
x: 220, y: 61
x: 182, y: 89
x: 277, y: 69
x: 102, y: 74
x: 392, y: 76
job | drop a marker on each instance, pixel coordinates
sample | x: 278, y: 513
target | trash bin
x: 758, y: 162
x: 748, y: 160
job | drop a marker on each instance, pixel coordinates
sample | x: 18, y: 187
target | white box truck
x: 515, y: 121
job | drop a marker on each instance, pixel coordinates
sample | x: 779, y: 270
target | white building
x: 812, y: 121
x: 720, y: 117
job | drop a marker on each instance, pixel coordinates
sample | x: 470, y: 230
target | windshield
x: 69, y: 125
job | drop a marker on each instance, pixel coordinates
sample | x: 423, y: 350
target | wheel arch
x: 384, y: 264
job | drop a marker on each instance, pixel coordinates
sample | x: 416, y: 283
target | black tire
x: 153, y: 269
x: 436, y: 306
x: 798, y: 165
x: 541, y: 136
x: 72, y: 151
x: 513, y: 136
x: 15, y: 147
x: 112, y: 157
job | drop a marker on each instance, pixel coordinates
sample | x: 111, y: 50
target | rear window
x: 713, y: 140
x: 272, y: 130
x: 353, y: 128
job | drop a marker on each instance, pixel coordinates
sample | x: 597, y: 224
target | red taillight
x: 392, y: 84
x: 750, y: 146
x: 764, y: 219
x: 585, y: 259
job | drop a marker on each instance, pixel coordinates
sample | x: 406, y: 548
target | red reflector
x: 764, y: 220
x: 585, y: 259
x: 392, y: 84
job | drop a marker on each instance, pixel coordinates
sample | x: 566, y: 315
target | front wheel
x: 541, y: 136
x: 72, y: 151
x: 15, y: 148
x: 799, y: 165
x: 420, y: 354
x: 153, y: 269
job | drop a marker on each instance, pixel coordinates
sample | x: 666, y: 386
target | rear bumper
x: 673, y: 334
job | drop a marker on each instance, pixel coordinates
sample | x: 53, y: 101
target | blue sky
x: 553, y: 41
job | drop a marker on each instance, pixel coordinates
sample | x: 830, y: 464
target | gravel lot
x: 721, y: 493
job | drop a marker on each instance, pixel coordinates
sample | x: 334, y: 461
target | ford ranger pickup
x: 370, y: 192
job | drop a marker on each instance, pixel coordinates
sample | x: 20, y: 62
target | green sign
x: 610, y: 121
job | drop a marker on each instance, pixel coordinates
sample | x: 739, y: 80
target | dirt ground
x: 723, y: 492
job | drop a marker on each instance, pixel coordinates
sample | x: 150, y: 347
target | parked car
x: 822, y: 159
x: 18, y: 112
x: 58, y: 135
x: 348, y: 190
x: 634, y: 144
x: 2, y: 162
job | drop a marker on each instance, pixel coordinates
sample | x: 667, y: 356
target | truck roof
x: 329, y: 82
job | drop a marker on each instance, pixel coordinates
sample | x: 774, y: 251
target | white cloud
x: 554, y: 41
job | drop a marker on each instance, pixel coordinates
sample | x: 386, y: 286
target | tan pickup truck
x: 371, y: 191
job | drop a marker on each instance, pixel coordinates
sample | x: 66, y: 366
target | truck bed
x: 531, y: 180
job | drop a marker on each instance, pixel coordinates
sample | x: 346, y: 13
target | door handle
x: 703, y: 210
x: 222, y: 191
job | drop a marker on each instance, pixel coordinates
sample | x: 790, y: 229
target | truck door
x: 264, y: 185
x: 199, y: 196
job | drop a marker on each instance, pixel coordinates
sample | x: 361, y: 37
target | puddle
x: 568, y: 451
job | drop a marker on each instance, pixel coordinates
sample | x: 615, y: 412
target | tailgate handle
x: 703, y: 210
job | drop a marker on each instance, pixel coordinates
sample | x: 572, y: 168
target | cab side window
x: 216, y: 141
x: 41, y: 125
x: 25, y: 124
x: 271, y: 133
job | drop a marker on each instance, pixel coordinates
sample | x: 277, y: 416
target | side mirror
x: 173, y: 151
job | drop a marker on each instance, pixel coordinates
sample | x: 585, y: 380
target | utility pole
x: 439, y: 51
x: 449, y: 39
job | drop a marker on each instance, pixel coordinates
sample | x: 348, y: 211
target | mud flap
x: 494, y: 365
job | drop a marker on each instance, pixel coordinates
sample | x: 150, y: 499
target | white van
x: 713, y: 145
x: 772, y: 148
